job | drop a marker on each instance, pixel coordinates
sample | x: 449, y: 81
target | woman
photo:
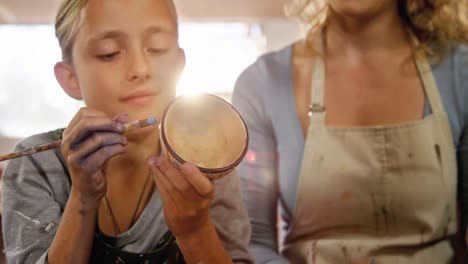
x: 356, y: 137
x: 105, y: 196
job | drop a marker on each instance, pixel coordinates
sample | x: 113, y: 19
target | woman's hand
x: 186, y: 195
x: 89, y: 141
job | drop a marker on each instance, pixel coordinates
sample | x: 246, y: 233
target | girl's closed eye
x: 108, y: 56
x: 160, y: 43
x: 157, y: 50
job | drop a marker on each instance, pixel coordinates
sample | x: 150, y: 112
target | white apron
x: 385, y: 194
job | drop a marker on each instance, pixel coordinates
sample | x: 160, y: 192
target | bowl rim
x: 203, y: 169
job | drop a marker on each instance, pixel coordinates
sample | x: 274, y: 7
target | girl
x: 105, y: 196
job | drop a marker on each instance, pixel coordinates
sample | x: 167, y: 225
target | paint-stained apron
x: 380, y: 194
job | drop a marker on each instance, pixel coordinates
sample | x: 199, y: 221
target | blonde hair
x: 66, y: 24
x: 437, y: 24
x: 67, y: 21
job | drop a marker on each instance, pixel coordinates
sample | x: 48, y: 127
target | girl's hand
x: 186, y: 195
x: 88, y: 142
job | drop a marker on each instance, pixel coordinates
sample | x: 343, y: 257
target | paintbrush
x: 56, y: 144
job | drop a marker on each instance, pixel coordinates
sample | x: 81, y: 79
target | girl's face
x: 126, y: 57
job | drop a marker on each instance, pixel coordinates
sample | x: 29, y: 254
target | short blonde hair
x: 437, y: 24
x: 66, y: 24
x: 67, y: 21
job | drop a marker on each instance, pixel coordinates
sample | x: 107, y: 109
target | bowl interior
x: 205, y: 130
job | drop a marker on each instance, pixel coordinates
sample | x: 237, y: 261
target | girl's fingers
x: 86, y: 127
x: 170, y: 192
x: 121, y: 118
x: 96, y: 160
x: 83, y: 113
x: 96, y: 141
x: 199, y: 182
x: 175, y: 177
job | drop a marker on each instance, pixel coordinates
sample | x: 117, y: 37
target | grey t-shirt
x: 36, y: 189
x: 269, y: 175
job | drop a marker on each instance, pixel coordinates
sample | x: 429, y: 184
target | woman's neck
x: 359, y: 37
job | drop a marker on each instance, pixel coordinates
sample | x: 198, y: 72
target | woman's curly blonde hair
x: 437, y: 24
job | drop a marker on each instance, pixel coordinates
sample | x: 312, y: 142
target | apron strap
x: 445, y: 148
x: 317, y: 106
x: 430, y: 86
x: 427, y: 78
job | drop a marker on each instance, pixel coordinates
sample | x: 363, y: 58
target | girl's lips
x: 139, y: 97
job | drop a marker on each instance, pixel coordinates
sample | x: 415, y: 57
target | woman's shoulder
x: 270, y: 66
x: 461, y: 50
x: 460, y: 54
x: 456, y: 58
x: 459, y: 65
x: 452, y: 70
x: 263, y: 79
x: 451, y: 75
x: 278, y: 59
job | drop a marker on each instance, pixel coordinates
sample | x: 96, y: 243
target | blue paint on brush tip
x: 152, y: 120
